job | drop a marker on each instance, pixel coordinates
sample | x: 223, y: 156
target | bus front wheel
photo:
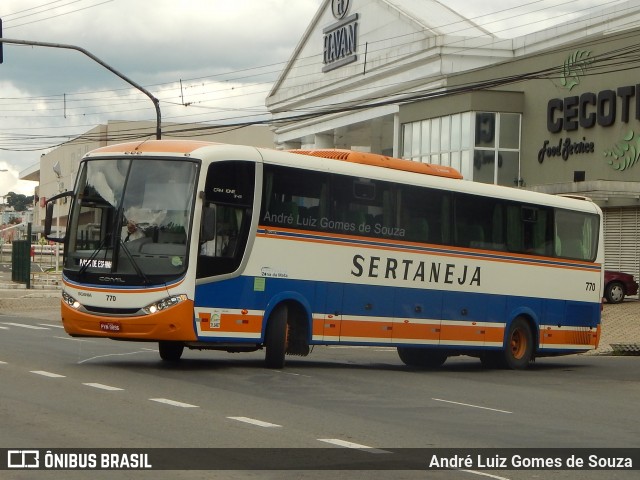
x: 170, y: 351
x: 275, y: 340
x: 518, y: 352
x: 421, y: 357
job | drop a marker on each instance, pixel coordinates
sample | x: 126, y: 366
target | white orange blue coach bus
x: 212, y: 246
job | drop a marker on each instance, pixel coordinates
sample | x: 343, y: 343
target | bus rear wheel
x: 170, y: 351
x: 518, y: 352
x: 275, y: 340
x: 421, y: 357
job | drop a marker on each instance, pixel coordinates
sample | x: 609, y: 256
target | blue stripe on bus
x: 394, y: 302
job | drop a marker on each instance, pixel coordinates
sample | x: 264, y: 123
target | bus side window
x: 472, y: 218
x: 529, y: 229
x: 293, y: 198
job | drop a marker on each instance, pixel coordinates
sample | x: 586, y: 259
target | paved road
x: 63, y: 392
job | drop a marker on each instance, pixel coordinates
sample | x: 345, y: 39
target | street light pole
x: 2, y: 238
x: 156, y: 102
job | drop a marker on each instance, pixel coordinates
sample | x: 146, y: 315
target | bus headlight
x: 164, y: 304
x: 69, y: 300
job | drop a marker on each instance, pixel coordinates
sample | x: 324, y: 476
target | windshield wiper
x: 84, y: 267
x: 136, y: 267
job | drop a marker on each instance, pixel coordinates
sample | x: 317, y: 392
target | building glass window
x: 426, y: 137
x: 483, y: 146
x: 435, y: 135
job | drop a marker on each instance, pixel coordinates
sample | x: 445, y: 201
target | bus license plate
x: 111, y: 326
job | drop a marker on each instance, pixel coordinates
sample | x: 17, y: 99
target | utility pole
x: 156, y: 102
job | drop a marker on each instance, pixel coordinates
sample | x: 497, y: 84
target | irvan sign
x: 340, y: 39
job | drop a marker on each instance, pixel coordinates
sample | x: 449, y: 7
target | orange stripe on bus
x: 494, y: 334
x: 559, y: 336
x: 355, y: 328
x: 317, y: 328
x: 231, y: 322
x: 463, y: 333
x: 416, y: 331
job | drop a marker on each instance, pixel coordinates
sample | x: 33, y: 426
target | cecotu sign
x: 590, y: 109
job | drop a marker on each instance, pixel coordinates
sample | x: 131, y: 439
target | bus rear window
x: 576, y: 235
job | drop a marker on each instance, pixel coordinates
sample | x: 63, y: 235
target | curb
x: 631, y: 349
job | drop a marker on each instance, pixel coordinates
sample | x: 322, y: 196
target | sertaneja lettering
x: 415, y: 271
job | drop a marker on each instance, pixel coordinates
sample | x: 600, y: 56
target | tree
x: 18, y: 201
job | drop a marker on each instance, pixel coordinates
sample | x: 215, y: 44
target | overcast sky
x: 217, y: 56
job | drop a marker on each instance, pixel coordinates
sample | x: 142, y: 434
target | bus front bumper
x: 173, y: 324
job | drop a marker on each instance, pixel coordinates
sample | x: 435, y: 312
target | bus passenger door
x: 367, y: 314
x: 417, y: 317
x: 327, y: 326
x: 463, y: 319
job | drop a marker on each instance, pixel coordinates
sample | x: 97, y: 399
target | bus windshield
x: 130, y: 220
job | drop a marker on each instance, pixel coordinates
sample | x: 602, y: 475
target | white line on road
x: 47, y: 374
x: 173, y: 403
x: 102, y: 387
x: 253, y: 421
x: 24, y: 325
x: 292, y: 374
x: 484, y: 474
x: 2, y: 363
x: 52, y: 326
x: 343, y: 443
x: 4, y: 328
x: 73, y: 339
x: 472, y: 406
x: 113, y: 355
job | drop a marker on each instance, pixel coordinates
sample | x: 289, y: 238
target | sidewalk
x: 621, y: 328
x: 620, y: 323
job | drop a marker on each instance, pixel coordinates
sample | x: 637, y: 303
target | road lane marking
x: 343, y: 443
x: 113, y: 355
x: 24, y: 325
x: 292, y: 374
x: 484, y: 474
x: 102, y: 386
x: 47, y: 374
x: 253, y: 421
x: 3, y: 363
x: 73, y: 339
x: 4, y: 328
x: 52, y: 326
x: 173, y: 403
x: 472, y: 406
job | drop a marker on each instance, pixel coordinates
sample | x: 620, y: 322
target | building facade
x: 557, y: 111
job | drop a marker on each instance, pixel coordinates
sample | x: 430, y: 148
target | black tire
x: 614, y: 292
x: 518, y: 348
x: 170, y: 351
x: 421, y: 357
x: 275, y: 340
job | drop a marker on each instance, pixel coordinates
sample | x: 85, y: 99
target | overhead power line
x: 79, y: 107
